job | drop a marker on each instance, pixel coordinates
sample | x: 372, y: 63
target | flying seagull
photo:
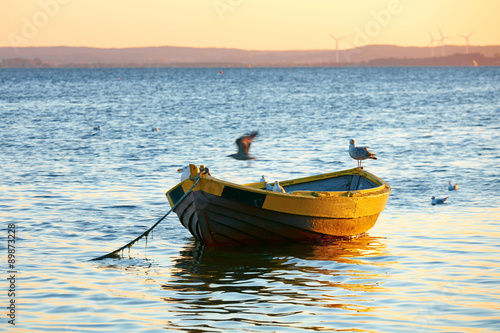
x: 438, y: 201
x: 359, y: 153
x: 243, y: 144
x: 452, y: 187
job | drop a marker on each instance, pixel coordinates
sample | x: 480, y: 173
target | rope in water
x: 129, y: 245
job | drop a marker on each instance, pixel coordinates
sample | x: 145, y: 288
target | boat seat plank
x: 354, y: 183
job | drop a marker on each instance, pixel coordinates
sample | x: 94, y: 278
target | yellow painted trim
x: 211, y: 185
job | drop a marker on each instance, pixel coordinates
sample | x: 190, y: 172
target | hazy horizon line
x: 242, y: 49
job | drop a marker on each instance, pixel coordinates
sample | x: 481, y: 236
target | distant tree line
x: 22, y: 63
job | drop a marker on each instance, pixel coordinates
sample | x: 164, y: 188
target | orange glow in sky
x: 247, y: 24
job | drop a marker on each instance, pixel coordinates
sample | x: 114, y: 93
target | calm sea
x: 72, y: 192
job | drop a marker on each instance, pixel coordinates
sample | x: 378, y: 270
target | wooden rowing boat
x: 341, y: 204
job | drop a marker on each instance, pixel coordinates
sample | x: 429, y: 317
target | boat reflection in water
x: 276, y: 286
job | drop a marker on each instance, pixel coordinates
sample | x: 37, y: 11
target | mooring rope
x: 146, y: 233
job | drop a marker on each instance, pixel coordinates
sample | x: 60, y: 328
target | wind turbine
x: 467, y: 41
x: 431, y: 44
x: 442, y: 41
x: 337, y: 47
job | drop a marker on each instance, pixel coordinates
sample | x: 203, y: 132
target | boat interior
x: 335, y: 184
x: 341, y: 183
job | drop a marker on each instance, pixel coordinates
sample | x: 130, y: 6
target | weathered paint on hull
x: 220, y: 222
x: 220, y: 213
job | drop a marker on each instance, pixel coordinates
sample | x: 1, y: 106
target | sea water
x: 88, y: 154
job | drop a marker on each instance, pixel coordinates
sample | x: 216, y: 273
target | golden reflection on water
x: 365, y: 278
x: 362, y: 278
x: 333, y: 275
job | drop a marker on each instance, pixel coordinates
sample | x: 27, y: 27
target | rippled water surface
x: 74, y: 192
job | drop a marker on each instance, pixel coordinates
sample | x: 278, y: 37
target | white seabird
x: 452, y: 187
x: 277, y: 187
x: 269, y: 187
x: 185, y: 172
x: 359, y: 153
x: 243, y: 144
x: 438, y: 201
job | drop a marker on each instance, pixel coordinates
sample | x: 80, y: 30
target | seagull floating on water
x: 278, y: 188
x: 452, y: 187
x: 269, y: 187
x: 243, y: 144
x: 359, y: 153
x: 185, y: 173
x: 438, y: 201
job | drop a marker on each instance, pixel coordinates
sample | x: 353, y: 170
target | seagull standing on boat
x: 269, y: 187
x: 243, y: 144
x: 278, y: 188
x: 185, y: 173
x: 359, y: 153
x: 452, y: 187
x: 438, y: 201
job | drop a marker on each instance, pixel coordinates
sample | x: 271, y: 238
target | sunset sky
x: 246, y: 24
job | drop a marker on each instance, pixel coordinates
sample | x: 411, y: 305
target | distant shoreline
x: 458, y: 60
x: 168, y: 56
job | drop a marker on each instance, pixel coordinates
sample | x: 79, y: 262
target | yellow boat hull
x: 221, y: 213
